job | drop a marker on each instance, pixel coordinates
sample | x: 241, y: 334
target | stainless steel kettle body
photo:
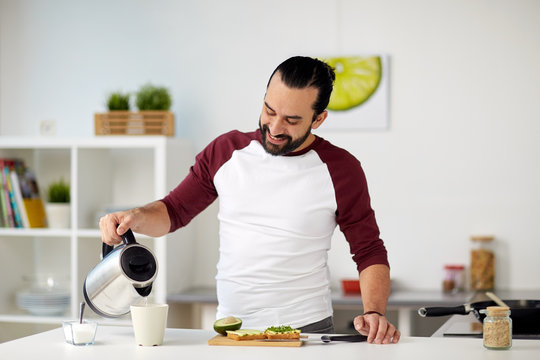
x: 122, y: 278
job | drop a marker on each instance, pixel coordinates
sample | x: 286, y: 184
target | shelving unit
x: 104, y: 172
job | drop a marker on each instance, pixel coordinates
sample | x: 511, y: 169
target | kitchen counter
x: 116, y: 342
x: 398, y: 298
x: 405, y: 302
x: 462, y: 325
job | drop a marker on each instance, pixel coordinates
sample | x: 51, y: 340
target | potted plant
x: 58, y: 207
x: 153, y: 117
x: 154, y: 103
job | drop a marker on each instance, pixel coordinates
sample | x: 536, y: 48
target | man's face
x: 287, y: 117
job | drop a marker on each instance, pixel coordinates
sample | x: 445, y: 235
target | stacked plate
x: 43, y: 302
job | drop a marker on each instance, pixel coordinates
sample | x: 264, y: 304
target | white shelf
x: 32, y: 319
x: 118, y: 171
x: 35, y: 232
x: 91, y: 233
x: 103, y: 142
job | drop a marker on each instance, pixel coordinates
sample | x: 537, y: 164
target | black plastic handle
x: 127, y: 238
x: 443, y: 311
x: 349, y: 338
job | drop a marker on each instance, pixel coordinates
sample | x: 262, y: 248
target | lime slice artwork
x: 357, y: 78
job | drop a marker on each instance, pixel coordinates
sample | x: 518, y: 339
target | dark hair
x: 300, y: 72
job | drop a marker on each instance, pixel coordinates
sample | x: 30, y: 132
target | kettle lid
x: 138, y: 263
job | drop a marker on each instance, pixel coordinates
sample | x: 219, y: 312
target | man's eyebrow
x: 294, y: 117
x: 268, y: 106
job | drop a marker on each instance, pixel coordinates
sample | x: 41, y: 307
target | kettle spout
x: 144, y: 291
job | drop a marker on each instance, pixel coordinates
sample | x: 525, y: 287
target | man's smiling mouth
x: 276, y: 139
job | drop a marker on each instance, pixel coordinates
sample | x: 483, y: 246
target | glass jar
x: 453, y: 278
x: 497, y: 328
x: 482, y: 263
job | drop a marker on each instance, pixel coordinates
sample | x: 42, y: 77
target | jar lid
x: 497, y: 310
x: 454, y: 267
x: 482, y: 238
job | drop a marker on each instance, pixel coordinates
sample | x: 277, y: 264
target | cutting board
x: 223, y: 340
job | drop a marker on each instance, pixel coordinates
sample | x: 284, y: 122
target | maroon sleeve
x: 187, y: 200
x: 197, y: 191
x: 354, y: 214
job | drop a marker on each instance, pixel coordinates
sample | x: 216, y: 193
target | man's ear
x: 319, y: 120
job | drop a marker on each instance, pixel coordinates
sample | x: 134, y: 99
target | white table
x: 115, y: 342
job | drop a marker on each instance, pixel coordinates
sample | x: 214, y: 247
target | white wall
x: 461, y: 155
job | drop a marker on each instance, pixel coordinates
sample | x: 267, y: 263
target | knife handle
x: 350, y: 338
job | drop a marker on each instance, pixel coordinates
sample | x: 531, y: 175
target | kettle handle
x: 127, y: 238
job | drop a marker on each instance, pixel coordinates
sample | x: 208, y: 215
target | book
x: 9, y: 166
x: 35, y: 212
x: 19, y: 199
x: 33, y: 205
x: 6, y: 203
x: 4, y: 221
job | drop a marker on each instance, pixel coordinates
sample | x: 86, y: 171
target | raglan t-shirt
x: 277, y: 215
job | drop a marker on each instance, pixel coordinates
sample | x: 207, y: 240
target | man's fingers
x: 390, y: 332
x: 396, y: 337
x: 372, y: 330
x: 108, y: 226
x: 377, y: 328
x: 381, y: 330
x: 359, y: 325
x: 121, y: 230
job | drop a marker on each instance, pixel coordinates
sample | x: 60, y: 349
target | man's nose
x: 276, y: 126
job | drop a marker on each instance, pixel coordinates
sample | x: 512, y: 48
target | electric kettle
x: 122, y: 278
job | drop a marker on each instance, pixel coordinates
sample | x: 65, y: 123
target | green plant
x: 118, y: 101
x: 58, y: 192
x: 152, y: 97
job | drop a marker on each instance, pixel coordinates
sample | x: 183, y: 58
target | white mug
x: 149, y: 323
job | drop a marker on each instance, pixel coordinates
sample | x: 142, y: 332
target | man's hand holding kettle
x: 151, y: 220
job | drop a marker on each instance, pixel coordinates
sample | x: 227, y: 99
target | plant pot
x: 134, y: 123
x: 58, y: 215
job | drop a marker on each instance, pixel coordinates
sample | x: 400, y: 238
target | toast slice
x: 282, y: 332
x: 283, y: 336
x: 245, y: 334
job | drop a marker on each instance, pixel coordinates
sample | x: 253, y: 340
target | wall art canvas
x: 360, y: 99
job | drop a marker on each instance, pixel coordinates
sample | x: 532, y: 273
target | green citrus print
x: 357, y: 78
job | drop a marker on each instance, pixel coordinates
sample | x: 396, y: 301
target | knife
x: 350, y: 338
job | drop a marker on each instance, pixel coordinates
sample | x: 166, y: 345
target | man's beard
x: 286, y: 148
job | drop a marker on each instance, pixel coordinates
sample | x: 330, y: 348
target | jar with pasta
x: 482, y: 263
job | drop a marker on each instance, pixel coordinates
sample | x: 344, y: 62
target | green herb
x: 281, y: 329
x: 58, y: 192
x: 118, y: 102
x: 152, y: 97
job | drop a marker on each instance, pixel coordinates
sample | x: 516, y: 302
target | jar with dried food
x: 497, y: 328
x: 482, y: 263
x: 453, y: 278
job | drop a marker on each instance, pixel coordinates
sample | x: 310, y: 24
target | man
x: 282, y: 193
